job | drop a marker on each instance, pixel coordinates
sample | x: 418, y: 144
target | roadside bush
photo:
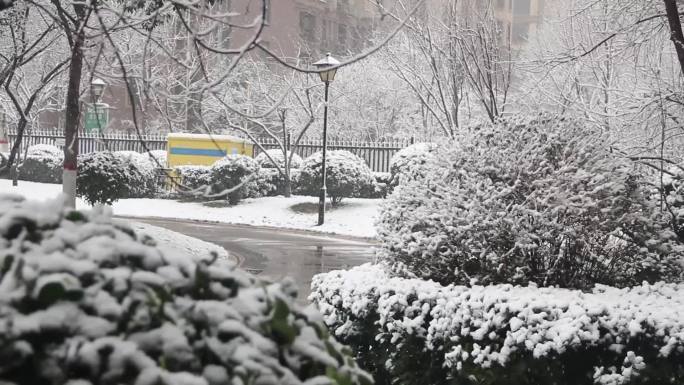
x: 194, y: 177
x: 43, y: 164
x: 348, y: 176
x: 408, y: 163
x: 146, y: 185
x: 235, y: 177
x: 277, y: 155
x: 542, y: 202
x: 270, y: 182
x: 412, y: 331
x: 674, y: 191
x: 158, y: 158
x: 84, y: 300
x: 104, y: 177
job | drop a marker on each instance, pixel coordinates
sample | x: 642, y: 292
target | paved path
x: 277, y: 253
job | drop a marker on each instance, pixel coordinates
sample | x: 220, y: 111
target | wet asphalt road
x: 277, y: 253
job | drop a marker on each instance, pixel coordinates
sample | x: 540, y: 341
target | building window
x: 307, y: 26
x: 521, y: 7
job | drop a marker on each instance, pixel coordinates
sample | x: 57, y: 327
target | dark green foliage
x: 85, y: 301
x: 234, y: 177
x: 348, y: 176
x: 545, y: 202
x: 43, y: 164
x: 104, y: 177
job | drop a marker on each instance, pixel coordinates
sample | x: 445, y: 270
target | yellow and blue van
x: 203, y: 149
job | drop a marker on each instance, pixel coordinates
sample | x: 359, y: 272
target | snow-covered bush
x: 235, y: 177
x: 673, y: 186
x: 270, y: 182
x: 542, y: 202
x: 348, y: 175
x: 413, y: 331
x: 44, y: 164
x: 196, y: 178
x: 84, y: 300
x: 408, y: 163
x: 158, y: 158
x: 278, y: 157
x: 147, y: 185
x: 104, y: 177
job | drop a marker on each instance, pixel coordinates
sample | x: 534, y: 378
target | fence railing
x: 91, y: 142
x: 376, y: 154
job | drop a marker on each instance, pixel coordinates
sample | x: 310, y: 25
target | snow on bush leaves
x: 407, y: 163
x: 194, y: 177
x: 43, y: 164
x: 82, y: 300
x: 104, y: 177
x: 279, y: 158
x: 419, y: 331
x: 543, y: 202
x: 348, y: 175
x: 236, y: 174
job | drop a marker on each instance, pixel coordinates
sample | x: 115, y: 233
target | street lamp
x: 97, y: 88
x: 328, y: 69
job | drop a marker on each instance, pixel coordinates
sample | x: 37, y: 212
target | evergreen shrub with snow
x: 408, y: 163
x: 413, y: 331
x: 542, y: 202
x: 235, y: 177
x: 87, y: 301
x: 348, y: 175
x: 146, y: 186
x: 674, y: 195
x: 158, y: 158
x: 194, y: 177
x: 278, y: 157
x: 104, y: 177
x: 270, y: 182
x: 44, y: 163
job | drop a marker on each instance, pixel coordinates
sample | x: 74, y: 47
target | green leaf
x: 283, y: 332
x: 75, y: 216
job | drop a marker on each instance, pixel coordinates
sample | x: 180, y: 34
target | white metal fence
x: 377, y: 154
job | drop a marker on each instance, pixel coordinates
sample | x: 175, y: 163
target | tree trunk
x: 73, y: 113
x: 676, y: 34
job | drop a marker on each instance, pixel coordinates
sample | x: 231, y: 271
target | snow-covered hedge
x: 278, y: 157
x: 348, y: 175
x: 236, y: 175
x: 674, y: 190
x: 543, y: 202
x: 270, y: 182
x: 85, y: 301
x: 196, y: 178
x: 158, y: 158
x: 147, y: 185
x: 44, y: 164
x: 412, y: 331
x: 408, y: 163
x: 104, y: 177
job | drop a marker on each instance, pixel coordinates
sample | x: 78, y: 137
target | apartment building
x: 310, y: 28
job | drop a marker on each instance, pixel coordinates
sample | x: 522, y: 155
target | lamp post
x: 97, y: 115
x: 328, y: 69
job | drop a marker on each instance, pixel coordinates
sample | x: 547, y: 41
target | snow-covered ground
x: 354, y: 218
x: 173, y: 242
